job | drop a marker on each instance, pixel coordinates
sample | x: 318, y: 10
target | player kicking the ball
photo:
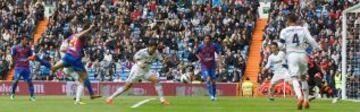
x: 294, y: 38
x: 141, y: 70
x: 71, y: 72
x: 72, y: 59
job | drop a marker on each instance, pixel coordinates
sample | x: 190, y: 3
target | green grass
x: 178, y: 104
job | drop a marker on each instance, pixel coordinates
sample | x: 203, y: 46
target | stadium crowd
x: 17, y: 18
x: 323, y: 19
x: 124, y: 26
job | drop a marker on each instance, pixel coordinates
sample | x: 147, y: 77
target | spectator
x: 247, y: 87
x: 16, y: 19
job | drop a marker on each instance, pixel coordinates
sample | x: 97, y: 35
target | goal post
x: 345, y: 45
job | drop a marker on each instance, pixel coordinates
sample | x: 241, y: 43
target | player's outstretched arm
x: 311, y: 40
x: 165, y: 60
x: 267, y: 66
x: 13, y: 53
x: 281, y: 42
x: 80, y: 35
x: 139, y: 59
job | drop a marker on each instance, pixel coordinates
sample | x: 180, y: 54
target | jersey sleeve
x: 218, y: 48
x: 310, y: 40
x: 281, y: 42
x: 139, y: 57
x: 13, y: 51
x: 31, y: 52
x: 282, y: 37
x: 282, y: 55
x: 158, y: 56
x: 198, y: 49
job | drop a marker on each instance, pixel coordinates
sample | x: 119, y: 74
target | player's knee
x: 29, y: 81
x: 128, y: 86
x: 208, y: 79
x: 83, y: 75
x: 303, y: 77
x: 155, y: 81
x: 16, y: 80
x: 213, y: 81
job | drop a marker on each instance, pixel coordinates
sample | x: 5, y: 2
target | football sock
x: 159, y: 91
x: 79, y: 91
x: 31, y: 88
x: 297, y: 89
x: 305, y: 89
x: 87, y: 84
x: 119, y: 91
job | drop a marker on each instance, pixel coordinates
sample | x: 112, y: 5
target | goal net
x: 351, y: 53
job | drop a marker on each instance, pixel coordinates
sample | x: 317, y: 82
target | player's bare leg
x: 118, y: 92
x: 58, y: 65
x: 158, y: 89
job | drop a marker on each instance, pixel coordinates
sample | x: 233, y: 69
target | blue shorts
x: 208, y: 73
x: 26, y: 74
x: 74, y: 63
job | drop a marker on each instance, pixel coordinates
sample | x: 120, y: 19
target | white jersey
x: 276, y: 61
x: 63, y: 48
x: 143, y: 57
x: 295, y: 37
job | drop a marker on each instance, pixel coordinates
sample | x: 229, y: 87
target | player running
x: 141, y: 70
x: 276, y: 62
x: 294, y: 37
x: 72, y: 59
x: 206, y: 54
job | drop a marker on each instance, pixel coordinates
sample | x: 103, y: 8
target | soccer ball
x: 185, y: 79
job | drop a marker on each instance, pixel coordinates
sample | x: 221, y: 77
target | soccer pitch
x: 178, y: 104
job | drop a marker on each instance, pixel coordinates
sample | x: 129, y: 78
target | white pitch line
x: 142, y: 102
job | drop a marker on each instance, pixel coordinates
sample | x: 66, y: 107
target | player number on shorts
x: 296, y: 39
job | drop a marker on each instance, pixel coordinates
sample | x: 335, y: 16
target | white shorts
x: 138, y: 73
x: 71, y: 72
x: 297, y: 63
x: 279, y: 75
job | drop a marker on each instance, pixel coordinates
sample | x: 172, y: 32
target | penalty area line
x: 142, y: 102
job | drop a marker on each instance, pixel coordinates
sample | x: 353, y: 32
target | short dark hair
x: 275, y: 44
x: 24, y: 37
x: 152, y: 42
x: 292, y: 18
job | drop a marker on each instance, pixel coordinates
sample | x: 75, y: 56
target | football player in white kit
x: 294, y: 37
x: 141, y: 70
x: 276, y: 62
